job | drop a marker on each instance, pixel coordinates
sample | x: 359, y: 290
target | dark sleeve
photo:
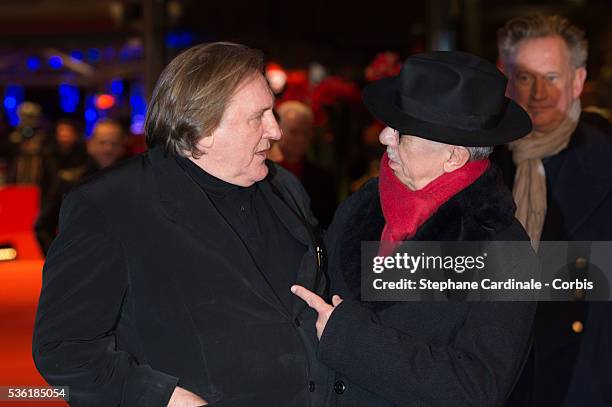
x: 84, y: 287
x: 477, y: 368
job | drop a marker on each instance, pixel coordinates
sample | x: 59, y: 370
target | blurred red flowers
x: 384, y: 65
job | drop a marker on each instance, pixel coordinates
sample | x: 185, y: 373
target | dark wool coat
x: 147, y: 286
x: 417, y: 353
x: 569, y: 367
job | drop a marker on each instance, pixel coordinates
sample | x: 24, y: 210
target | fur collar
x: 477, y: 213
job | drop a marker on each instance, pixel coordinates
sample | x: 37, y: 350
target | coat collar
x: 184, y: 203
x: 475, y: 214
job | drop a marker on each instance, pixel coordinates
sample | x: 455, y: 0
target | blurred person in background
x: 106, y: 145
x: 297, y: 123
x: 67, y: 161
x: 562, y: 184
x: 64, y: 162
x: 25, y: 146
x: 68, y: 140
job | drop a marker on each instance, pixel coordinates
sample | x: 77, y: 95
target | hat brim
x: 379, y: 98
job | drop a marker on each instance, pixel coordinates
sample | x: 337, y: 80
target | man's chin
x: 542, y: 126
x: 261, y: 174
x: 544, y: 120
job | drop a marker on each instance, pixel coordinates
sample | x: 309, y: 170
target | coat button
x: 577, y: 327
x: 339, y: 387
x: 581, y: 262
x: 311, y: 386
x: 297, y: 322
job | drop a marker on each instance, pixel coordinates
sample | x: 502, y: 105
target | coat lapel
x: 288, y: 215
x: 283, y: 204
x: 185, y: 204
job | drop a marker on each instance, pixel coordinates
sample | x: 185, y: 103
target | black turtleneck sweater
x: 275, y: 251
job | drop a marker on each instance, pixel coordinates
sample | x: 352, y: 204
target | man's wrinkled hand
x: 185, y: 398
x: 318, y: 304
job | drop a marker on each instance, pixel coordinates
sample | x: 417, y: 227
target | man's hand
x: 318, y: 304
x: 185, y: 398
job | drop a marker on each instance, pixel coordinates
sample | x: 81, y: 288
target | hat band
x: 430, y: 114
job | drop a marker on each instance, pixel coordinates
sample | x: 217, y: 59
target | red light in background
x: 276, y: 76
x: 104, y: 101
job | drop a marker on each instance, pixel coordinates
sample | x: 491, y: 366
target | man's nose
x: 538, y: 89
x: 389, y: 137
x: 273, y: 130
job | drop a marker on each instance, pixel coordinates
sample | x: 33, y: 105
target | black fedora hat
x: 451, y: 97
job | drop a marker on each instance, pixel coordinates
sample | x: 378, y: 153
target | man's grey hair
x: 539, y: 26
x: 479, y: 153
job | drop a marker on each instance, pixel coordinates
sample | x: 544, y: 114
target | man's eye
x: 524, y: 78
x: 551, y: 78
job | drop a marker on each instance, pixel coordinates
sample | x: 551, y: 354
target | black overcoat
x: 418, y: 353
x: 569, y: 366
x: 147, y: 286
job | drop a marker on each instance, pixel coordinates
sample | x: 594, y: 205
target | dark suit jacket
x: 147, y: 286
x: 567, y: 367
x: 424, y: 353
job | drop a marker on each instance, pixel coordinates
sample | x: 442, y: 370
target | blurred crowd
x: 56, y: 159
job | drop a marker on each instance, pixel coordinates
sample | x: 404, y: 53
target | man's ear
x: 579, y: 77
x: 206, y: 142
x: 459, y: 156
x: 505, y: 67
x: 501, y: 65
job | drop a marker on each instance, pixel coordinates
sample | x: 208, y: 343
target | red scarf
x: 406, y: 210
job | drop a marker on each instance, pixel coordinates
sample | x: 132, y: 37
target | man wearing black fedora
x: 444, y: 112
